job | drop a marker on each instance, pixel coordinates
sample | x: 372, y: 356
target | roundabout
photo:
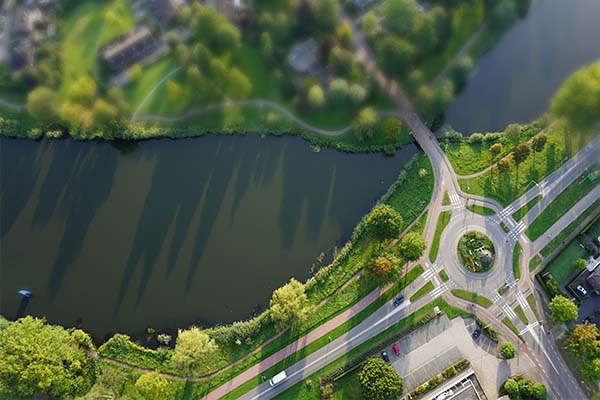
x: 476, y: 252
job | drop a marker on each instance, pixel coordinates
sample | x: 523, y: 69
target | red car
x: 396, y: 349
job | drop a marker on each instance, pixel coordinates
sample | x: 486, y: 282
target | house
x: 129, y: 48
x: 303, y: 56
x: 594, y: 279
x: 21, y: 56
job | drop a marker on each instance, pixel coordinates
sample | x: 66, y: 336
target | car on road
x: 280, y: 377
x: 398, y: 300
x: 476, y: 333
x: 581, y: 290
x: 396, y: 349
x: 385, y: 356
x: 445, y: 395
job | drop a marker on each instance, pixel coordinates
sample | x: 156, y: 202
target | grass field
x: 423, y: 290
x: 85, y: 29
x: 516, y: 254
x: 562, y: 265
x: 444, y: 276
x: 531, y: 301
x: 519, y: 311
x: 507, y: 187
x: 561, y: 204
x: 510, y: 324
x: 443, y: 221
x: 521, y: 212
x: 480, y: 209
x: 472, y: 297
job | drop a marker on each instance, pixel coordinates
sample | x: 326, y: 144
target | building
x: 303, y: 56
x: 129, y: 48
x: 594, y: 279
x: 160, y: 11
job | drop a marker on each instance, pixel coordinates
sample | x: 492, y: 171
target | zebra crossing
x: 529, y: 328
x: 438, y: 291
x: 455, y: 200
x: 517, y: 231
x: 430, y: 271
x: 506, y: 212
x: 509, y: 311
x: 522, y: 301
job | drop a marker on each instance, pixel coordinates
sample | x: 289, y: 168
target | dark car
x: 398, y: 300
x: 476, y: 333
x: 396, y: 349
x: 385, y: 356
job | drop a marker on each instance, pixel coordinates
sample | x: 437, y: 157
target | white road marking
x: 509, y: 312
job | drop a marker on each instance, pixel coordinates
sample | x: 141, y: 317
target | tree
x: 512, y: 388
x: 357, y: 93
x: 288, y: 304
x: 192, y: 349
x: 370, y: 22
x: 538, y: 391
x: 507, y: 350
x: 461, y: 70
x: 104, y: 113
x: 503, y: 166
x: 504, y: 13
x: 315, y: 96
x: 399, y: 15
x: 340, y: 61
x: 538, y: 143
x: 563, y: 309
x: 326, y: 13
x: 520, y: 154
x: 83, y: 90
x: 395, y: 55
x: 384, y: 268
x: 578, y: 99
x: 424, y: 34
x: 579, y: 264
x: 238, y: 85
x: 379, y: 380
x: 344, y: 34
x: 338, y: 91
x: 384, y: 222
x: 513, y: 133
x: 391, y: 128
x: 266, y: 45
x: 496, y: 150
x: 590, y: 369
x: 365, y: 123
x: 583, y: 341
x: 40, y: 360
x: 41, y: 104
x: 412, y: 246
x: 153, y: 386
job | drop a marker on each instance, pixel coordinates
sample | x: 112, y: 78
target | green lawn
x: 562, y: 265
x: 508, y: 186
x: 444, y: 276
x: 472, y: 297
x: 521, y: 212
x: 443, y: 221
x: 446, y: 200
x: 516, y: 254
x: 480, y: 209
x: 466, y: 19
x: 561, y: 204
x: 531, y: 301
x: 426, y: 288
x: 534, y: 262
x: 419, y: 226
x: 85, y: 29
x: 558, y: 239
x: 521, y: 314
x: 512, y: 326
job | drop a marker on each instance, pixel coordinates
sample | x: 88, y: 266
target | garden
x: 476, y: 252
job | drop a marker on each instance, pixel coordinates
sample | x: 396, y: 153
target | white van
x: 278, y: 378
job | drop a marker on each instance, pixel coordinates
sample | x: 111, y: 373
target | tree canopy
x: 583, y: 341
x: 563, y: 309
x: 384, y: 222
x: 153, y: 386
x: 384, y: 267
x: 37, y: 359
x: 507, y: 350
x: 379, y: 380
x: 192, y: 349
x: 578, y: 99
x: 41, y: 104
x: 288, y: 304
x: 412, y: 246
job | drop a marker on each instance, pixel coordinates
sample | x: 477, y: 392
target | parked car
x: 582, y: 290
x: 385, y: 356
x: 398, y: 300
x: 476, y: 333
x: 396, y: 349
x: 445, y: 395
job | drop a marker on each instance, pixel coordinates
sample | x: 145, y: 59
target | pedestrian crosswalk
x: 522, y: 301
x: 509, y: 311
x: 438, y: 291
x: 529, y: 328
x: 430, y: 271
x: 506, y: 212
x: 517, y: 231
x: 455, y: 200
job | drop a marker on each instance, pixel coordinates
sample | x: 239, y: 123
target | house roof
x: 126, y: 42
x: 161, y: 10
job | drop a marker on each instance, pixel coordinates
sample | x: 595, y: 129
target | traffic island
x: 476, y: 252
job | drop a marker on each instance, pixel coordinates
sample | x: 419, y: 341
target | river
x: 166, y: 233
x: 516, y: 79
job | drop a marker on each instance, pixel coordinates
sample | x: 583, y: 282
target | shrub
x: 507, y: 350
